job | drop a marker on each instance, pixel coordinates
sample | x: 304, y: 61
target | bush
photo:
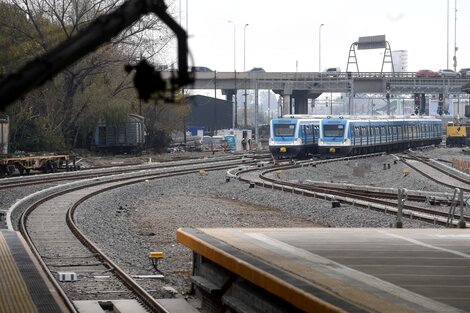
x: 158, y: 140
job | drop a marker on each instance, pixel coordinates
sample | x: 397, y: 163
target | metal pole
x: 269, y: 104
x: 235, y: 104
x: 256, y: 113
x: 215, y: 104
x: 462, y: 223
x: 331, y: 103
x: 319, y: 47
x: 244, y: 70
x: 455, y: 38
x: 447, y: 66
x: 401, y: 201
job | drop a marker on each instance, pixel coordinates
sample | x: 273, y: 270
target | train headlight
x: 298, y: 141
x: 271, y: 141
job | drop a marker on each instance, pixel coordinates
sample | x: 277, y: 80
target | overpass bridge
x: 302, y: 86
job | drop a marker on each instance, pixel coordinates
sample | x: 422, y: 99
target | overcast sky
x: 284, y: 35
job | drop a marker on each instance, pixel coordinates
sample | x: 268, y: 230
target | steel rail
x: 370, y: 199
x: 40, y: 180
x: 344, y: 196
x: 125, y: 278
x: 437, y: 168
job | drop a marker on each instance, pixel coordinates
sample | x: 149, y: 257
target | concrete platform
x: 337, y: 270
x: 23, y: 285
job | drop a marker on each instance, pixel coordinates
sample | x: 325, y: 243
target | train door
x: 316, y: 133
x: 303, y: 134
x: 363, y: 135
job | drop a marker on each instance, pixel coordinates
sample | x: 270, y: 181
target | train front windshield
x: 284, y: 130
x: 333, y: 130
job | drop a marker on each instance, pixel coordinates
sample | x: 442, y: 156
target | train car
x: 351, y: 136
x: 128, y: 137
x: 47, y: 163
x: 25, y: 163
x: 294, y: 136
x: 456, y: 135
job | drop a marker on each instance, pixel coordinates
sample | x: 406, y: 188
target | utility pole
x: 235, y: 104
x: 244, y: 70
x: 455, y: 38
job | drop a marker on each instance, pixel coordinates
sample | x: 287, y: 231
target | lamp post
x: 319, y: 47
x: 244, y: 70
x: 235, y: 104
x: 447, y: 64
x: 455, y: 38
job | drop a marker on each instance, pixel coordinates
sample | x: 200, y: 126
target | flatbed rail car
x: 43, y: 163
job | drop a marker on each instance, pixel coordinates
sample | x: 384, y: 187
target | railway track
x: 23, y: 181
x: 383, y: 201
x: 437, y: 172
x: 49, y: 227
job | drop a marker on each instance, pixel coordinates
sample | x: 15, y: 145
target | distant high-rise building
x: 400, y: 60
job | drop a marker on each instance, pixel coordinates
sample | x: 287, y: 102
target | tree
x: 93, y: 88
x: 163, y: 119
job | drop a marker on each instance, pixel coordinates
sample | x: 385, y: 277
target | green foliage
x: 158, y: 140
x: 162, y: 119
x: 25, y: 135
x: 16, y: 46
x: 65, y: 111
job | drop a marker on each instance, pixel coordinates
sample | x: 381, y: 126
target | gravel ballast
x: 144, y: 217
x: 132, y: 221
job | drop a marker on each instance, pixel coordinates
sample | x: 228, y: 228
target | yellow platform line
x: 14, y: 295
x: 276, y: 286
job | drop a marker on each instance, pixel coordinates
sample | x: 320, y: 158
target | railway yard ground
x: 129, y: 222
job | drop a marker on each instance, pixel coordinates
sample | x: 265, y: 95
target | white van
x: 333, y: 71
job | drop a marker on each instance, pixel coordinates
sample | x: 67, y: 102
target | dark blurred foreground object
x: 45, y: 67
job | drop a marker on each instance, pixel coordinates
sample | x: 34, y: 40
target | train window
x: 333, y: 130
x: 283, y: 130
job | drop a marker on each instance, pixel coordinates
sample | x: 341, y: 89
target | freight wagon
x: 23, y: 163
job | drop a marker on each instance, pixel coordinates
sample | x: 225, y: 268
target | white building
x: 400, y: 60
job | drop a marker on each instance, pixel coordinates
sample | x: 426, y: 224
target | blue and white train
x: 294, y: 136
x: 355, y: 135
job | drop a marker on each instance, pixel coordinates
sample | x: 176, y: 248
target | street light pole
x: 235, y: 104
x: 244, y: 70
x: 319, y: 47
x: 447, y: 61
x: 455, y: 38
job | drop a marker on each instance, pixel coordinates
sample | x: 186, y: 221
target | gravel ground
x: 10, y: 196
x: 446, y: 153
x: 369, y: 172
x: 145, y: 217
x: 130, y: 222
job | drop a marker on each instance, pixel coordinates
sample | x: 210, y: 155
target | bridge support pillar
x: 286, y: 105
x: 231, y: 95
x: 301, y: 101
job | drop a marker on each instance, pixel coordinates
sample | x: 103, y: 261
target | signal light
x: 387, y: 86
x: 441, y: 97
x: 417, y: 100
